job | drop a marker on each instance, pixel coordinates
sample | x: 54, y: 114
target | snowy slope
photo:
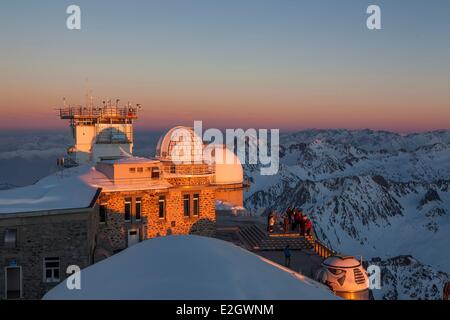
x: 189, y: 268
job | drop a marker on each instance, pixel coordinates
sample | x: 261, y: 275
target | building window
x: 10, y: 239
x: 140, y: 170
x: 51, y: 269
x: 155, y: 173
x: 103, y: 213
x: 187, y: 205
x: 196, y: 201
x: 138, y: 205
x: 173, y: 169
x: 127, y: 209
x: 162, y: 207
x: 132, y: 170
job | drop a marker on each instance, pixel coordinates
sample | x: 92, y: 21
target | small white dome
x: 341, y: 262
x: 180, y: 144
x: 227, y: 167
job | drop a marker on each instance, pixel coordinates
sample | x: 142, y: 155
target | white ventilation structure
x: 345, y: 276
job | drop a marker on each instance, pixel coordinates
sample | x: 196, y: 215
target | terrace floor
x: 250, y: 232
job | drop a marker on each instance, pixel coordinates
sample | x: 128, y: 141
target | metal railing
x: 98, y: 112
x: 187, y: 170
x: 131, y: 182
x: 320, y: 248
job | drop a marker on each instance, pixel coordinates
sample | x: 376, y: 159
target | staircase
x: 257, y: 239
x: 252, y: 236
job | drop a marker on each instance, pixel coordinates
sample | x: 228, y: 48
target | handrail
x: 137, y: 181
x: 188, y: 170
x: 320, y: 248
x: 107, y: 111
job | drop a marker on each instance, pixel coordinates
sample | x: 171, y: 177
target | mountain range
x: 377, y: 194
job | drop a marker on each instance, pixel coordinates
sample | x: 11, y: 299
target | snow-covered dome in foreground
x: 186, y: 268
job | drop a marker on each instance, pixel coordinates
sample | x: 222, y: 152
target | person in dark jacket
x: 272, y: 222
x: 287, y: 256
x: 298, y: 219
x: 308, y: 227
x: 446, y: 291
x: 303, y: 225
x: 292, y: 219
x: 268, y: 220
x: 286, y: 223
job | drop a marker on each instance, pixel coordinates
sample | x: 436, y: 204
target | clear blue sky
x: 281, y: 63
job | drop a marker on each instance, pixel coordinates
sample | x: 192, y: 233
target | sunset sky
x: 287, y: 64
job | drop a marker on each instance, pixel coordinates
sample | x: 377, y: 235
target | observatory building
x: 104, y: 199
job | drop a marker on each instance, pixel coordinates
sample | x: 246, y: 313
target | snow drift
x: 189, y: 268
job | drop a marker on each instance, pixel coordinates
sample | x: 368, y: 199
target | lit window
x: 162, y: 207
x: 132, y: 170
x: 187, y: 205
x: 51, y: 269
x: 10, y: 238
x: 196, y: 201
x: 140, y: 170
x: 138, y: 205
x: 103, y: 213
x: 155, y: 173
x: 127, y: 209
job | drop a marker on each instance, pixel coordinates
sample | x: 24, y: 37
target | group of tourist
x: 293, y: 220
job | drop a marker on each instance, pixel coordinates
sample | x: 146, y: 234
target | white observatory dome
x: 227, y: 167
x: 346, y: 276
x: 180, y: 144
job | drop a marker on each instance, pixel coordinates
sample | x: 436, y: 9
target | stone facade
x: 115, y: 228
x: 67, y: 235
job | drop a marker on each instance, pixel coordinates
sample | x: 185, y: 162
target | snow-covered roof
x: 68, y: 189
x: 72, y: 188
x: 189, y: 268
x: 228, y: 207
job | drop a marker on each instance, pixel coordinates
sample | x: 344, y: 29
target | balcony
x: 106, y: 112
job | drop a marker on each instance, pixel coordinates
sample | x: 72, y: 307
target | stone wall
x: 175, y: 222
x: 151, y: 225
x: 67, y: 236
x: 115, y: 229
